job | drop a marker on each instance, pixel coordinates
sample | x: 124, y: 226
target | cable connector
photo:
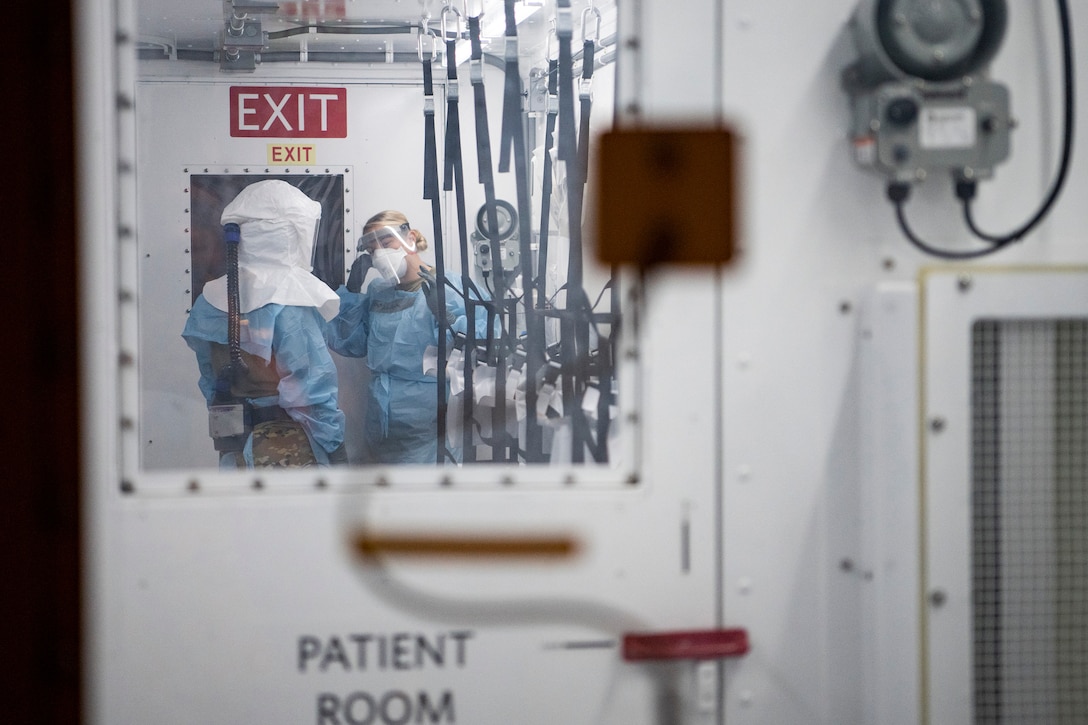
x: 898, y: 191
x: 965, y: 189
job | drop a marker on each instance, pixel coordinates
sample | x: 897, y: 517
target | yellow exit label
x: 291, y: 153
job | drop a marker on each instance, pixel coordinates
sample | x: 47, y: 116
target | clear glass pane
x: 488, y: 333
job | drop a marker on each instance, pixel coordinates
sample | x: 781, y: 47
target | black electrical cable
x: 1068, y: 123
x: 898, y: 192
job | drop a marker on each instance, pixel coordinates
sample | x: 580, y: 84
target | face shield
x: 386, y: 237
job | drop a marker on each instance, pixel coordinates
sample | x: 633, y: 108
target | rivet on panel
x: 258, y: 484
x: 127, y: 487
x: 964, y: 283
x: 382, y: 482
x: 937, y: 424
x: 633, y: 479
x: 321, y: 483
x: 194, y: 486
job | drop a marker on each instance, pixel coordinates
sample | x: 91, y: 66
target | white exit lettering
x: 288, y: 111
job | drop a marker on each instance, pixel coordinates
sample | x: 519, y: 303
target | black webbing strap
x: 574, y: 332
x: 608, y: 370
x: 586, y: 98
x: 497, y: 352
x: 431, y: 193
x: 511, y: 97
x: 546, y: 182
x: 454, y: 179
x: 513, y: 138
x: 605, y: 358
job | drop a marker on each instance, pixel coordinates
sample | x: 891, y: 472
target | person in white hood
x: 289, y: 382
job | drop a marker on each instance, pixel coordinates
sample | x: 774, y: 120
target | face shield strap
x: 385, y: 237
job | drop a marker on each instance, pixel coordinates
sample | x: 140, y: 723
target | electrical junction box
x: 907, y: 130
x: 920, y: 97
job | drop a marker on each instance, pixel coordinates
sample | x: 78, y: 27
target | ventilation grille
x: 1030, y: 521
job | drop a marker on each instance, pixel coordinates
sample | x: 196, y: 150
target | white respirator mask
x: 391, y: 263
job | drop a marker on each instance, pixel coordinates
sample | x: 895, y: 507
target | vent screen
x: 1030, y: 521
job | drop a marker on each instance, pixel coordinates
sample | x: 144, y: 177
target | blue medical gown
x: 292, y: 337
x: 392, y: 329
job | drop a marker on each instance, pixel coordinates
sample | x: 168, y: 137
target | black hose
x: 1068, y: 124
x: 898, y: 192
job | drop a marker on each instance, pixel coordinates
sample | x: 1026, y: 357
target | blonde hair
x: 394, y: 218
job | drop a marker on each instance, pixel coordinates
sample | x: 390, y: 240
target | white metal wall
x: 819, y: 447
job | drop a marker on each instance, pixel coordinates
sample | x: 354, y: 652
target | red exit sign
x: 288, y: 112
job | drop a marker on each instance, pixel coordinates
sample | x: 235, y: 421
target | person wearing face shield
x: 388, y: 314
x: 287, y: 381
